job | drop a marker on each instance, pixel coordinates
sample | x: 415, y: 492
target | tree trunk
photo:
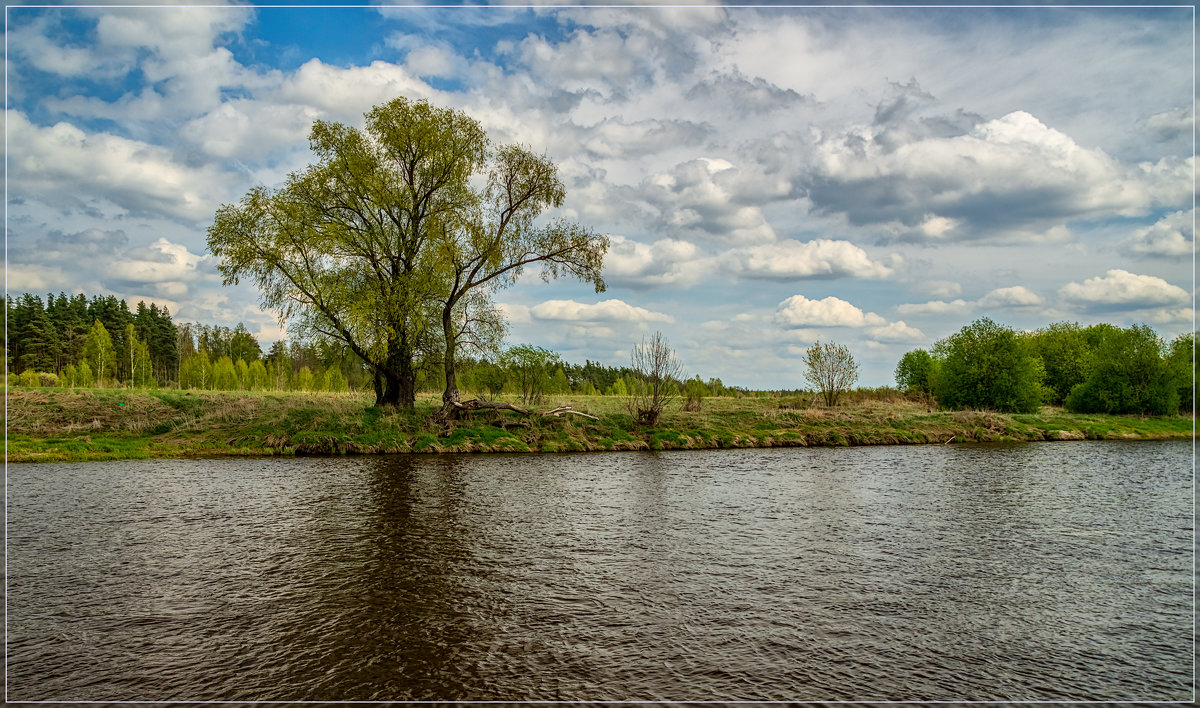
x: 450, y: 398
x: 396, y: 383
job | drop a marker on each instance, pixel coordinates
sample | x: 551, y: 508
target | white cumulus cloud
x: 799, y: 311
x: 1170, y: 237
x: 1011, y: 175
x: 935, y: 307
x: 1121, y: 290
x: 664, y: 262
x: 51, y: 163
x: 603, y: 311
x: 1015, y: 296
x: 820, y: 258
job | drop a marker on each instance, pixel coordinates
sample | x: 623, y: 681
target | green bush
x: 1126, y: 374
x: 1065, y: 352
x: 987, y: 366
x: 1181, y: 362
x: 915, y: 372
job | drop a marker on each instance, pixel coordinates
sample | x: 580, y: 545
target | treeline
x: 48, y: 337
x: 534, y: 372
x: 1097, y: 369
x: 74, y: 341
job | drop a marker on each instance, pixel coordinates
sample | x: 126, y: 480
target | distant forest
x: 76, y: 341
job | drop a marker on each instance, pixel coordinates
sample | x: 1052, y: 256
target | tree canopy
x: 986, y: 365
x: 402, y: 226
x: 1127, y: 373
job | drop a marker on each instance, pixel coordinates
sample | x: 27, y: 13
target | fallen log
x: 475, y: 405
x: 567, y: 409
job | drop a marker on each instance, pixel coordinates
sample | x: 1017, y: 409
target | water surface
x: 1020, y: 572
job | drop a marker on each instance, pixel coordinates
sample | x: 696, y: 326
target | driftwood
x: 567, y: 409
x: 476, y: 405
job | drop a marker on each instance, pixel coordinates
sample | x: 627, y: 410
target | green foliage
x: 243, y: 346
x: 142, y: 374
x: 1126, y: 374
x: 304, y: 380
x: 196, y: 371
x: 915, y: 372
x: 1065, y: 352
x: 99, y: 352
x: 694, y: 392
x: 224, y: 376
x: 530, y: 367
x: 68, y: 377
x: 333, y: 381
x: 30, y: 378
x: 256, y: 376
x: 83, y: 376
x: 987, y: 366
x: 242, y: 372
x: 558, y: 382
x: 1181, y: 360
x: 401, y: 228
x: 831, y: 369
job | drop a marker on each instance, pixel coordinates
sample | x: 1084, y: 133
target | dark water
x: 1031, y: 572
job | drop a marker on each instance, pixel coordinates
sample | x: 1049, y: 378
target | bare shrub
x: 657, y: 373
x: 830, y: 368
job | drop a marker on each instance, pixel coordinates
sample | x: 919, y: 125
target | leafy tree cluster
x: 1097, y: 369
x: 394, y: 241
x: 74, y: 341
x: 51, y: 335
x: 533, y: 373
x: 211, y: 357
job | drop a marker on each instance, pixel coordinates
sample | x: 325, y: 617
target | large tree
x: 343, y: 249
x: 408, y: 224
x: 486, y: 247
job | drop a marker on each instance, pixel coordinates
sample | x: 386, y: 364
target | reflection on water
x: 1025, y: 572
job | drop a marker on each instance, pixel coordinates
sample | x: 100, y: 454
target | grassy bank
x: 98, y: 424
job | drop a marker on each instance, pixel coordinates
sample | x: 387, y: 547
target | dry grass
x: 92, y: 424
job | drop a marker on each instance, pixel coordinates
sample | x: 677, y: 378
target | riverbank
x: 54, y: 425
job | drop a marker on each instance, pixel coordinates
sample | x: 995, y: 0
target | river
x: 1050, y: 571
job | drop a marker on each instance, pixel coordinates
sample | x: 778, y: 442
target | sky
x: 769, y: 177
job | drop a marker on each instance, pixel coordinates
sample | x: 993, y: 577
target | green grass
x: 109, y: 424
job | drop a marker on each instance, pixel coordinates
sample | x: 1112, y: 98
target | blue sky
x: 876, y: 176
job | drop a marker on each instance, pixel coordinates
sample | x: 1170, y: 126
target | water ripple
x: 1024, y: 572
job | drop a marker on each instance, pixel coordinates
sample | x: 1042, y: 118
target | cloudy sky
x: 876, y: 176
